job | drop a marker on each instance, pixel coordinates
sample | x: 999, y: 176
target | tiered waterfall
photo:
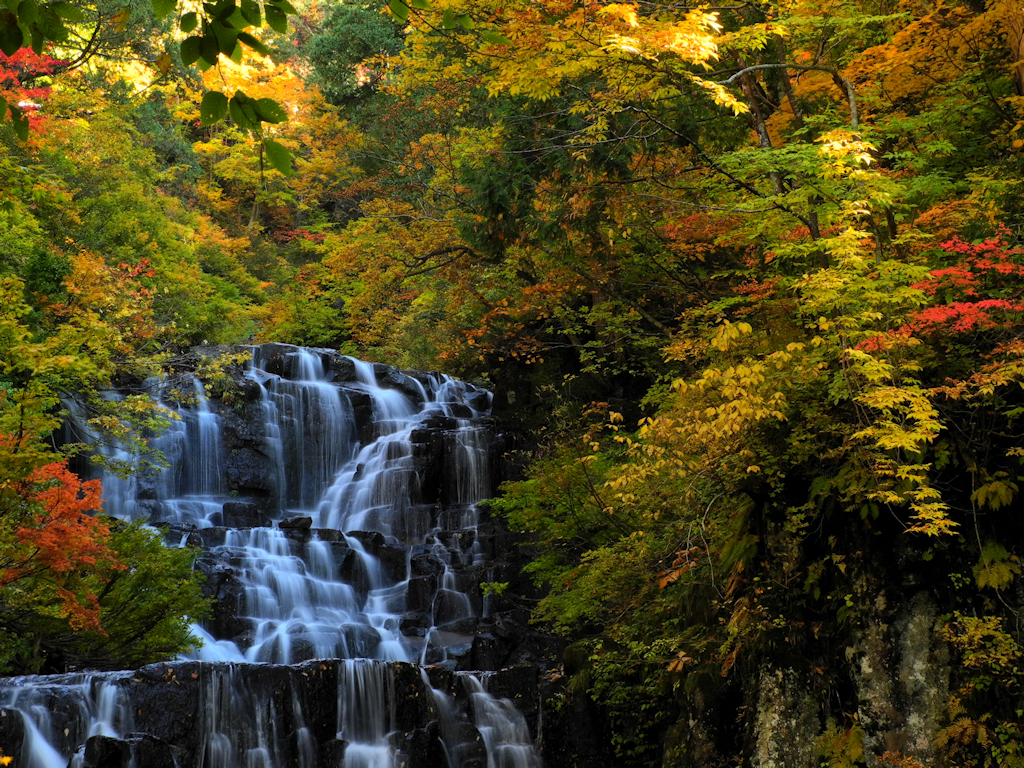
x: 335, y: 502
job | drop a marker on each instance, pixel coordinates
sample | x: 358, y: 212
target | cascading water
x: 504, y: 730
x: 89, y: 705
x: 364, y: 719
x: 376, y: 558
x: 191, y: 486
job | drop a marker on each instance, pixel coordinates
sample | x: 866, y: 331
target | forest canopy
x: 749, y: 276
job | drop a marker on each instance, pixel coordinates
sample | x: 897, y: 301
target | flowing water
x: 376, y: 475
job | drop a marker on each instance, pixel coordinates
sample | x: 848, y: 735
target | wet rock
x: 329, y: 535
x: 245, y: 640
x: 419, y: 748
x: 460, y: 411
x: 249, y: 390
x: 462, y: 626
x: 480, y: 400
x: 441, y: 679
x: 342, y: 556
x: 457, y: 540
x: 301, y: 648
x: 362, y: 414
x: 488, y: 653
x: 165, y: 700
x: 340, y: 369
x: 426, y: 452
x: 509, y: 626
x: 146, y: 486
x: 415, y: 624
x: 151, y: 510
x: 249, y: 471
x: 411, y: 699
x: 318, y: 690
x: 244, y: 514
x: 243, y: 424
x: 461, y: 655
x: 106, y: 752
x: 428, y: 379
x: 297, y: 523
x: 276, y: 359
x: 153, y: 753
x: 369, y: 539
x: 424, y: 563
x: 519, y: 684
x: 391, y: 378
x: 353, y: 572
x: 223, y: 585
x: 361, y: 641
x: 450, y: 606
x: 12, y: 732
x: 438, y: 422
x: 420, y: 593
x: 212, y: 537
x: 332, y: 753
x: 392, y: 557
x: 298, y: 540
x: 130, y: 752
x: 393, y: 561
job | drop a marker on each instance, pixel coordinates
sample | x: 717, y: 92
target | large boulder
x: 244, y: 514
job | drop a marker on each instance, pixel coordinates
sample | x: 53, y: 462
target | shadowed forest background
x: 749, y: 278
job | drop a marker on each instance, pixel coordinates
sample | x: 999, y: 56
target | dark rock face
x: 575, y: 732
x: 249, y: 472
x: 106, y: 752
x: 340, y: 369
x: 12, y: 732
x: 244, y: 514
x: 165, y: 700
x: 277, y: 359
x: 391, y: 378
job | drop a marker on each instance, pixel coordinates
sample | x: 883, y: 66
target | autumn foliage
x: 748, y: 277
x: 61, y: 545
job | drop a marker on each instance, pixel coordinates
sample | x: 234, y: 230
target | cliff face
x: 881, y: 689
x: 899, y: 670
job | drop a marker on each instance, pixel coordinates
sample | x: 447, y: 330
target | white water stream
x: 339, y: 591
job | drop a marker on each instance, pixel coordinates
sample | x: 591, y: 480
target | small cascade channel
x: 335, y: 504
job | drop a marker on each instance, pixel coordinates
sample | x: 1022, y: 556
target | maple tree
x: 58, y: 546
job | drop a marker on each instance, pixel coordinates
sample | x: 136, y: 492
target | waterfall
x: 89, y: 705
x: 504, y: 730
x: 336, y: 501
x: 364, y: 718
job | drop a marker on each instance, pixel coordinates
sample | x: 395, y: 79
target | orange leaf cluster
x: 62, y: 543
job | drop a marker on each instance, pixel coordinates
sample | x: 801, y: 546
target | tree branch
x: 842, y: 82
